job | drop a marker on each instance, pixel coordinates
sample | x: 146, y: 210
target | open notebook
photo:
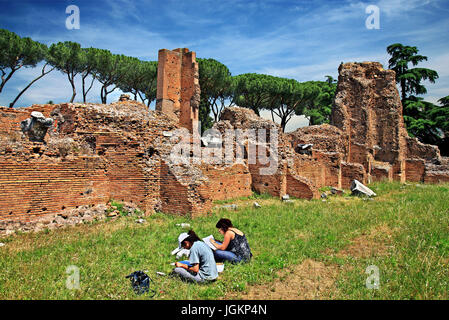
x: 207, y: 241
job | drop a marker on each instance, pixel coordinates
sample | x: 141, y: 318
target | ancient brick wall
x: 380, y: 171
x: 368, y: 109
x: 178, y: 90
x: 29, y: 190
x: 350, y: 172
x: 228, y: 182
x: 94, y: 153
x: 300, y: 187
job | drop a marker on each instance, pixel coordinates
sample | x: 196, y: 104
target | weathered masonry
x: 55, y: 157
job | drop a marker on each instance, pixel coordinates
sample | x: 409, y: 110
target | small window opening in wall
x: 266, y: 184
x: 151, y: 151
x: 63, y: 208
x: 29, y: 210
x: 10, y: 213
x: 36, y: 149
x: 44, y: 209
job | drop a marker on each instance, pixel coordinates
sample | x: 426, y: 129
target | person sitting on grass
x: 201, y: 266
x: 235, y: 247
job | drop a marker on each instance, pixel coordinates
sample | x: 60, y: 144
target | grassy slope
x: 414, y: 266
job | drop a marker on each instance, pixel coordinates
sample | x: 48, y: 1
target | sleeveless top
x: 239, y: 245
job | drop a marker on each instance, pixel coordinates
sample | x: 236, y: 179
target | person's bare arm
x: 226, y: 240
x: 195, y: 268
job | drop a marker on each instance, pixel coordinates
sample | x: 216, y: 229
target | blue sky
x: 300, y: 39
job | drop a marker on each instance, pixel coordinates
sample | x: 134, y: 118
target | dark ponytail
x: 192, y: 237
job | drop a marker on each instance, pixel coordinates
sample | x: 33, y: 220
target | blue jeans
x: 225, y: 255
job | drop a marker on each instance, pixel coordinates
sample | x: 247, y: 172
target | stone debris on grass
x: 257, y: 205
x: 336, y: 191
x: 357, y: 188
x: 229, y: 207
x: 183, y: 225
x: 67, y: 217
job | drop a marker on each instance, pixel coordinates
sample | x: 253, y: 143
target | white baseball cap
x: 181, y: 238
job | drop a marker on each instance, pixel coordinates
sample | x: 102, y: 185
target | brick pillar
x: 178, y: 88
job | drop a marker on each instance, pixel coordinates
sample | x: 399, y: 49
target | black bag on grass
x: 140, y: 282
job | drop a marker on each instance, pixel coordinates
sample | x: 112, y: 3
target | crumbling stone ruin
x: 178, y: 86
x: 63, y: 157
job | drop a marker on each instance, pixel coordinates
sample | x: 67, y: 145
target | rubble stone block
x: 357, y: 188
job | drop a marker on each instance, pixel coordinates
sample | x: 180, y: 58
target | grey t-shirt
x: 202, y: 254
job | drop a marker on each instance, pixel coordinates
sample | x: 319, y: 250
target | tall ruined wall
x: 178, y: 89
x: 368, y: 109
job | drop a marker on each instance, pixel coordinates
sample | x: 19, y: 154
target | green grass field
x: 404, y: 232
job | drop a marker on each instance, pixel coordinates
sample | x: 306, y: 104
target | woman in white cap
x: 201, y: 266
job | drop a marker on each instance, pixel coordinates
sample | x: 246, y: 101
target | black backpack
x: 140, y: 282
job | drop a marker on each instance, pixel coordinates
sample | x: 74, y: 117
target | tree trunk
x: 72, y: 83
x: 4, y: 80
x: 102, y: 94
x: 85, y: 92
x: 11, y: 105
x: 140, y: 96
x: 84, y: 89
x: 283, y: 122
x: 404, y: 94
